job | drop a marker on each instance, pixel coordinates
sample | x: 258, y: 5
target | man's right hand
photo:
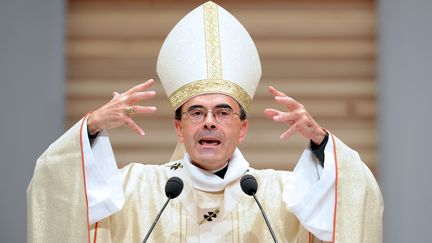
x: 113, y: 114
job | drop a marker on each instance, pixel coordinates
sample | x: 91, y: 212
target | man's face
x: 210, y: 143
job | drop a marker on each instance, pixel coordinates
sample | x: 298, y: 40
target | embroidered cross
x: 211, y: 215
x: 176, y: 166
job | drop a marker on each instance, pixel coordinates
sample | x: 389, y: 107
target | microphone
x: 173, y: 188
x: 249, y: 186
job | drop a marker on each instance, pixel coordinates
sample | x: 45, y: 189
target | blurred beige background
x: 322, y: 53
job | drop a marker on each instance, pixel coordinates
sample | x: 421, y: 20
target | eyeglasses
x: 222, y: 115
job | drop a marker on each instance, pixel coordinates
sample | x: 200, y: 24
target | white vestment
x: 300, y: 205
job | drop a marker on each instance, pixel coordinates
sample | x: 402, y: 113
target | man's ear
x: 179, y: 130
x: 243, y: 130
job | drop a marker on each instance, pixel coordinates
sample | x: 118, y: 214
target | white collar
x: 207, y: 181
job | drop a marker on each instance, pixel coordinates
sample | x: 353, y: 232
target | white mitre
x: 209, y: 51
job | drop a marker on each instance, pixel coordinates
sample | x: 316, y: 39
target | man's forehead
x: 211, y: 100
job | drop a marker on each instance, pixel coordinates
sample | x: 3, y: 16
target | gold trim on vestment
x: 238, y: 225
x: 213, y: 54
x: 181, y: 223
x: 186, y: 230
x: 232, y: 227
x: 209, y: 86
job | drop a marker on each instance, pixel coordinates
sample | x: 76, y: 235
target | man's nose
x: 209, y: 121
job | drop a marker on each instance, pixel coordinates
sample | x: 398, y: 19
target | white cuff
x: 103, y: 184
x: 312, y: 195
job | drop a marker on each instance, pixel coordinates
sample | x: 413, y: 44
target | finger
x: 115, y: 93
x: 288, y: 117
x: 130, y: 123
x: 144, y: 109
x: 277, y: 115
x: 288, y: 133
x: 140, y: 87
x: 275, y: 92
x: 135, y: 97
x: 270, y: 113
x: 289, y: 102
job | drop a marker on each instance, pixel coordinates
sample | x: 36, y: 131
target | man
x: 210, y: 68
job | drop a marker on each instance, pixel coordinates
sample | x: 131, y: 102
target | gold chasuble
x: 58, y: 212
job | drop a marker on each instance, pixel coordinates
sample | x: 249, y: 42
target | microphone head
x: 173, y: 187
x: 249, y: 184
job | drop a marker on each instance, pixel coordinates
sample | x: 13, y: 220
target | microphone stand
x: 155, y: 221
x: 265, y: 218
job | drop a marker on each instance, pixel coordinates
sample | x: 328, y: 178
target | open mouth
x: 209, y: 141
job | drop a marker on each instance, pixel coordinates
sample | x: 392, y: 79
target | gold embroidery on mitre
x: 213, y: 53
x: 210, y: 86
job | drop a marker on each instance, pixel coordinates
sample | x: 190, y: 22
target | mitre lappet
x: 208, y: 52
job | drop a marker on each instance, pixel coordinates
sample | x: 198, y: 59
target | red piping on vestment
x: 84, y: 177
x: 336, y: 188
x: 95, y: 232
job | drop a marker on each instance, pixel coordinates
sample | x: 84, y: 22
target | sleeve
x: 58, y: 198
x: 57, y: 209
x: 341, y: 203
x: 104, y: 187
x: 312, y: 196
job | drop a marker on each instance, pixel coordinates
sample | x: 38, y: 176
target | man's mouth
x: 209, y: 141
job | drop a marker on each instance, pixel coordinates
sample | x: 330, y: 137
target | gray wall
x: 31, y: 100
x: 406, y: 118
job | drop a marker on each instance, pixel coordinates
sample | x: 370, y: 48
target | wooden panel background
x: 322, y: 53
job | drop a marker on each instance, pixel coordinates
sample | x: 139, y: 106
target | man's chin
x: 208, y: 151
x: 209, y: 162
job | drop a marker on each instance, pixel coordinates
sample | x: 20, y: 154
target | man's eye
x: 196, y: 113
x: 223, y: 113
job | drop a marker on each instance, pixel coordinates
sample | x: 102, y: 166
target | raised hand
x: 120, y: 109
x: 297, y: 118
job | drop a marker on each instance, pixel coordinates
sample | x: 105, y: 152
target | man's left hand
x: 297, y: 118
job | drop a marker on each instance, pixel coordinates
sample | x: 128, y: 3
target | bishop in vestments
x: 209, y: 67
